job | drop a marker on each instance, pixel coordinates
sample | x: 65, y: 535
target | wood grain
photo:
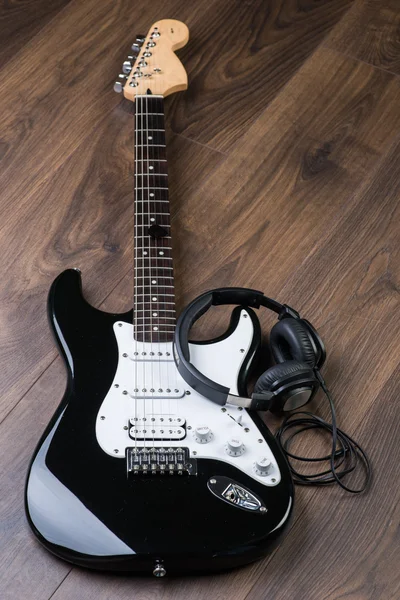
x: 284, y: 175
x: 249, y: 57
x: 370, y: 32
x: 21, y: 21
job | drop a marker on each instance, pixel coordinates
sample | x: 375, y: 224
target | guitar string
x: 166, y: 218
x: 158, y: 271
x: 157, y: 266
x: 144, y: 253
x: 135, y: 263
x: 149, y: 321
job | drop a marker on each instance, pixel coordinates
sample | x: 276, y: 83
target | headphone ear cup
x: 290, y: 340
x: 293, y: 383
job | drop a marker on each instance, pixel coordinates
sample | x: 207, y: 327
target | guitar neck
x: 154, y: 294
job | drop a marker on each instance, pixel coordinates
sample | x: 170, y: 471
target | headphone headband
x: 217, y: 297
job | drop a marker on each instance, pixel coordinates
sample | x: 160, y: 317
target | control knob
x: 234, y: 447
x: 202, y: 434
x: 262, y: 466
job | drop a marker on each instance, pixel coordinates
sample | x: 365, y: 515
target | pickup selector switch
x: 234, y: 447
x: 262, y: 466
x: 202, y: 434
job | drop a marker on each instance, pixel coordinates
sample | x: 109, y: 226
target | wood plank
x: 343, y: 546
x: 250, y: 55
x: 369, y: 32
x: 82, y: 217
x: 290, y: 178
x: 21, y: 21
x: 364, y: 276
x: 26, y: 569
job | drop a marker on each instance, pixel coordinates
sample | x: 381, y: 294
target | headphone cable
x: 345, y: 456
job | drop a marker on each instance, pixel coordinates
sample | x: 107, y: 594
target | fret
x: 160, y: 295
x: 153, y: 306
x: 158, y: 245
x: 162, y: 318
x: 150, y: 174
x: 162, y: 310
x: 160, y: 268
x: 146, y: 237
x: 149, y: 328
x: 154, y: 258
x: 142, y: 160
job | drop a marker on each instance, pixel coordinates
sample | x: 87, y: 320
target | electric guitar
x: 136, y: 471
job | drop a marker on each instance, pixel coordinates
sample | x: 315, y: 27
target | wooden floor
x: 284, y: 175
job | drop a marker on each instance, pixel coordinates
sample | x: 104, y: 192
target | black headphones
x: 299, y: 354
x: 297, y: 348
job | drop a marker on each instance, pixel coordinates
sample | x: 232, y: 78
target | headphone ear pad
x: 290, y: 340
x: 297, y: 379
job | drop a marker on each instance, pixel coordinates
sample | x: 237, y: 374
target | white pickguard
x: 143, y: 367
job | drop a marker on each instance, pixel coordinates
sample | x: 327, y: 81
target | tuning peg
x: 136, y: 48
x: 127, y: 67
x: 140, y: 38
x: 119, y: 85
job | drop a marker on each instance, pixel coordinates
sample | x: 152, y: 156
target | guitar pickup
x: 148, y: 432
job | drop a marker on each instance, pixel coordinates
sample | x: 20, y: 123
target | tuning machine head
x: 127, y: 65
x: 138, y: 43
x: 119, y: 84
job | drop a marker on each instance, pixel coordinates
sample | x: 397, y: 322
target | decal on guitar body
x: 131, y: 442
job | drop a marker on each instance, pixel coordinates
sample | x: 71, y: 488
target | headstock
x: 152, y: 64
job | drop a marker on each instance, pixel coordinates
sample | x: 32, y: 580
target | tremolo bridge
x: 160, y: 461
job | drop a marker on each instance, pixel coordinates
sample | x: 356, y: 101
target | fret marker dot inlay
x: 155, y: 314
x: 151, y: 168
x: 150, y: 137
x: 153, y: 281
x: 152, y: 219
x: 154, y: 299
x: 155, y: 328
x: 144, y: 253
x: 161, y: 253
x: 152, y: 195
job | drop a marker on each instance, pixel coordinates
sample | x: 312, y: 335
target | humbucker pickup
x: 157, y: 427
x: 160, y: 461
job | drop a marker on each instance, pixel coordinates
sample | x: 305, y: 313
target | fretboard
x: 154, y: 297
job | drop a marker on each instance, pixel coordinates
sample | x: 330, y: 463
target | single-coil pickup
x: 151, y: 420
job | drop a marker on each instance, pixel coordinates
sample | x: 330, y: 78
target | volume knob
x: 202, y: 434
x: 234, y: 447
x: 262, y: 466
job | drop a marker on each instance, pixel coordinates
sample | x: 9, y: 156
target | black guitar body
x: 84, y: 508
